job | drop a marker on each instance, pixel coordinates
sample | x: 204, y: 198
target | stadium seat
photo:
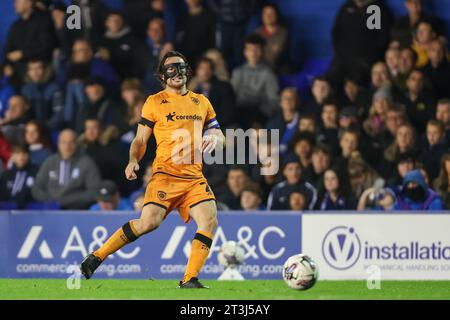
x: 42, y: 206
x: 8, y: 205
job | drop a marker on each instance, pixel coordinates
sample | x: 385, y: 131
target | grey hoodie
x: 72, y: 183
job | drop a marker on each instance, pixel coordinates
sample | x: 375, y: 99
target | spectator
x: 403, y: 28
x: 68, y: 177
x: 297, y: 200
x: 133, y: 116
x: 358, y: 52
x: 276, y: 36
x: 237, y: 179
x: 395, y: 117
x: 443, y: 115
x: 406, y: 162
x: 108, y: 198
x: 220, y: 66
x: 231, y: 25
x: 321, y: 91
x: 37, y: 142
x: 279, y: 196
x: 93, y: 16
x: 251, y: 198
x: 348, y: 142
x: 362, y: 175
x: 405, y: 141
x: 16, y: 182
x: 424, y: 34
x: 434, y: 148
x: 442, y: 182
x: 64, y: 36
x: 320, y: 162
x: 329, y: 130
x: 415, y: 194
x: 6, y: 91
x: 420, y: 106
x: 196, y: 30
x: 43, y: 93
x: 256, y: 86
x: 438, y: 69
x: 392, y: 58
x: 123, y: 50
x: 286, y: 120
x: 302, y: 145
x: 337, y: 194
x: 377, y: 199
x: 407, y: 62
x: 29, y: 37
x: 375, y: 124
x: 348, y: 118
x: 355, y: 94
x: 307, y: 123
x: 5, y: 152
x: 12, y: 125
x: 380, y: 77
x: 219, y: 92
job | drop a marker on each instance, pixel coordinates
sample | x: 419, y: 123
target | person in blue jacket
x: 415, y: 194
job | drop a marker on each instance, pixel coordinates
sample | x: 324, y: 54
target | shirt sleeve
x: 148, y: 116
x: 210, y: 120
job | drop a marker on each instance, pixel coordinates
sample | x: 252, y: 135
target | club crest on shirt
x: 162, y: 195
x: 195, y: 100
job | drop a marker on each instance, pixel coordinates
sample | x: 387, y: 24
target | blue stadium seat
x: 8, y: 205
x: 42, y: 206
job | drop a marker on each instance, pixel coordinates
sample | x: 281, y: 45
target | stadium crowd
x: 372, y: 133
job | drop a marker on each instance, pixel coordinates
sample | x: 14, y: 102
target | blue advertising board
x: 44, y: 244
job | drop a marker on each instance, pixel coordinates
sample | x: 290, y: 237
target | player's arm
x: 137, y: 150
x: 213, y: 138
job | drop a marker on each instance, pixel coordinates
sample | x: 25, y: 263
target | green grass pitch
x: 221, y: 290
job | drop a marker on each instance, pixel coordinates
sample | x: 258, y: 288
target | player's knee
x: 209, y: 222
x: 149, y: 224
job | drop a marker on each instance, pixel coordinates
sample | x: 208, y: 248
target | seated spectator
x: 321, y: 90
x: 406, y: 162
x: 348, y: 118
x: 320, y: 162
x: 438, y: 69
x: 443, y: 115
x: 406, y: 63
x: 297, y: 200
x: 6, y: 91
x: 362, y: 176
x: 375, y: 124
x: 391, y: 58
x: 434, y: 147
x: 403, y: 28
x: 29, y: 36
x: 38, y: 145
x: 279, y: 196
x: 16, y: 182
x: 423, y: 35
x: 123, y: 49
x: 355, y: 94
x: 100, y: 105
x: 415, y: 194
x: 286, y: 120
x: 348, y: 142
x: 276, y: 36
x: 420, y: 106
x: 196, y: 30
x: 237, y: 179
x: 302, y: 145
x: 251, y: 198
x: 13, y: 123
x: 395, y: 117
x: 68, y: 177
x: 154, y: 44
x: 329, y: 131
x: 255, y: 85
x: 442, y: 182
x: 108, y: 198
x: 381, y: 78
x: 219, y: 93
x: 405, y: 141
x: 337, y: 194
x: 43, y: 93
x: 308, y: 123
x: 93, y: 15
x: 220, y: 66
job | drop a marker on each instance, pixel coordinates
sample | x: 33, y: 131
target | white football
x: 300, y: 272
x: 230, y: 254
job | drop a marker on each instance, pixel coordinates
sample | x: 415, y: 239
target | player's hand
x: 209, y: 143
x: 131, y: 169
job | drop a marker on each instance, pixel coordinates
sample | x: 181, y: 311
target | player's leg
x: 205, y: 216
x: 150, y: 219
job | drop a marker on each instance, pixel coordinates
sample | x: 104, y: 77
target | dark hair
x: 43, y: 133
x: 207, y: 60
x: 280, y: 18
x: 19, y: 148
x: 254, y: 188
x: 159, y: 69
x: 256, y: 39
x: 413, y: 52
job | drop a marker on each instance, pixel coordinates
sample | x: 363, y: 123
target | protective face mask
x: 174, y: 69
x: 416, y: 194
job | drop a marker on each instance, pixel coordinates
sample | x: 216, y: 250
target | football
x: 231, y: 254
x: 300, y: 272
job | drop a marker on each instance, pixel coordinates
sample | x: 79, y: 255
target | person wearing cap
x: 415, y: 194
x: 348, y: 118
x: 108, y: 198
x: 279, y: 196
x: 375, y: 124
